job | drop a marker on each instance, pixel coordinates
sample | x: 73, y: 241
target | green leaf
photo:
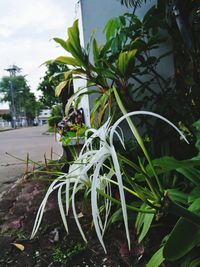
x: 60, y: 87
x: 61, y: 42
x: 68, y: 60
x: 125, y: 58
x: 143, y: 222
x: 184, y: 236
x: 73, y: 44
x: 95, y: 52
x: 112, y: 27
x: 48, y: 62
x: 185, y: 167
x: 194, y: 194
x: 156, y: 259
x: 116, y: 216
x: 195, y: 263
x: 178, y: 196
x: 192, y: 174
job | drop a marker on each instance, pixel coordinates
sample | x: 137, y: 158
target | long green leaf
x: 143, y: 223
x: 60, y: 87
x: 61, y: 42
x: 68, y: 60
x: 184, y: 236
x: 156, y: 259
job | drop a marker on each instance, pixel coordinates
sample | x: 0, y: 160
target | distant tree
x: 53, y: 76
x: 24, y: 100
x: 7, y: 117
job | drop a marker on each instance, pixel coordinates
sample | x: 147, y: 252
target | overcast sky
x: 26, y: 30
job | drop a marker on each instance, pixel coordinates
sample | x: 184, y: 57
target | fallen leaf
x: 19, y: 246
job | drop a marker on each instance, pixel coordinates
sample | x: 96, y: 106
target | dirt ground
x: 52, y: 246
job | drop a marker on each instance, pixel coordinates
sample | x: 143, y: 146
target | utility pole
x: 12, y: 70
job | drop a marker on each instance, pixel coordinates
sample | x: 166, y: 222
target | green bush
x: 7, y: 117
x: 54, y: 120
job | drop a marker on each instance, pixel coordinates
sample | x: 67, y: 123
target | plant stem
x: 141, y: 144
x: 114, y: 200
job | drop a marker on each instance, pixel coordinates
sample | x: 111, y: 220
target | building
x: 43, y: 116
x: 4, y: 124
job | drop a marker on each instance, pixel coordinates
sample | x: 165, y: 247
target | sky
x: 26, y: 31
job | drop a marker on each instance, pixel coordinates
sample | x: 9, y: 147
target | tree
x: 24, y: 100
x: 53, y: 76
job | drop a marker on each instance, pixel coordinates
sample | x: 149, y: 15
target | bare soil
x: 52, y: 246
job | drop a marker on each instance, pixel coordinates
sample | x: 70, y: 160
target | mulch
x: 52, y: 246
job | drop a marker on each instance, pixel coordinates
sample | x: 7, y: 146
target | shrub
x: 54, y: 120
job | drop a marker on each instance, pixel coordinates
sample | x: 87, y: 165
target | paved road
x: 18, y: 142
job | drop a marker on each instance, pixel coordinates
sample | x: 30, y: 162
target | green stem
x: 141, y: 144
x: 128, y: 206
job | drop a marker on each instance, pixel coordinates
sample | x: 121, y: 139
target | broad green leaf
x: 99, y: 103
x: 166, y: 164
x: 73, y: 42
x: 178, y: 196
x: 184, y: 236
x: 112, y: 27
x: 185, y: 167
x: 48, y: 62
x: 194, y: 194
x: 195, y: 263
x: 125, y: 59
x: 68, y: 60
x: 192, y: 174
x: 60, y: 87
x: 107, y: 73
x: 156, y: 259
x: 122, y: 62
x: 61, y: 42
x: 195, y: 206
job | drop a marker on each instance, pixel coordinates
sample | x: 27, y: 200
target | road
x: 18, y: 143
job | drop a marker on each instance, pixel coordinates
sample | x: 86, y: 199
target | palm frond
x: 132, y: 3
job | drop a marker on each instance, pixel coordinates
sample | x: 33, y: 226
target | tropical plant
x: 97, y: 169
x: 132, y: 3
x: 53, y: 76
x: 152, y: 188
x: 121, y: 61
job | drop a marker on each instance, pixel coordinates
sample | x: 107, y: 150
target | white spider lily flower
x: 92, y: 160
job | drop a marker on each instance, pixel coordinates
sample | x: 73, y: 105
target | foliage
x: 54, y: 120
x: 152, y: 194
x: 25, y: 101
x: 56, y: 110
x: 155, y: 189
x: 56, y: 116
x: 60, y: 256
x: 121, y: 61
x: 132, y: 3
x: 78, y: 131
x: 7, y: 117
x: 50, y: 81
